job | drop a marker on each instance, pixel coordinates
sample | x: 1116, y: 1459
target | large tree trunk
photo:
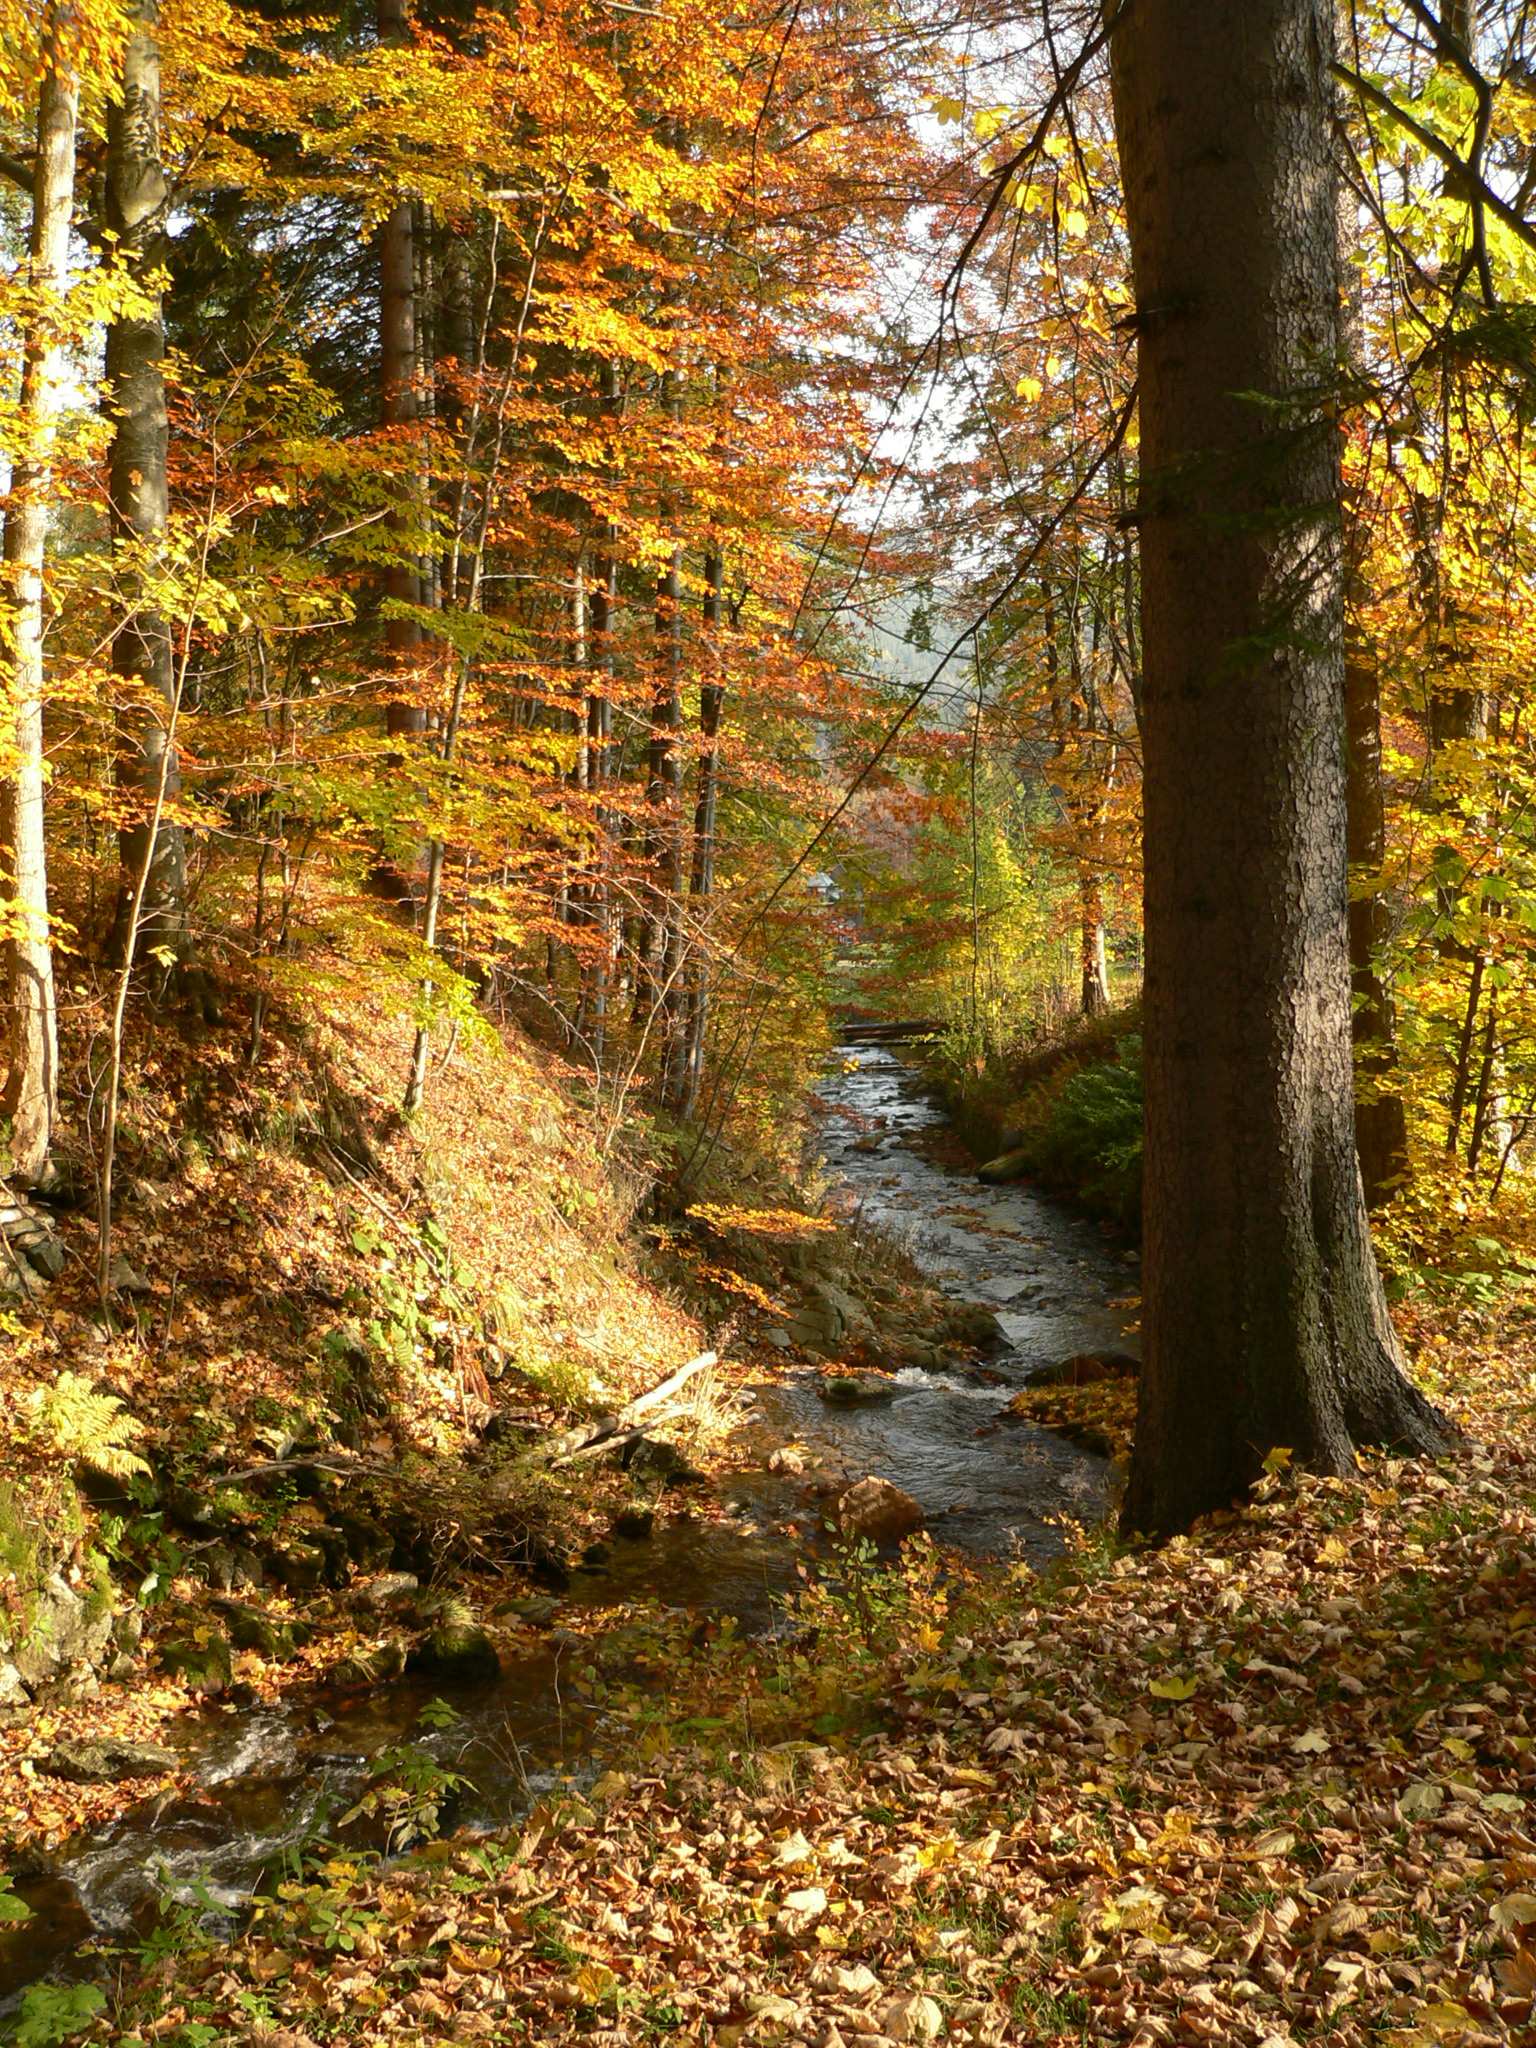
x: 31, y: 1083
x: 142, y: 652
x: 1265, y: 1325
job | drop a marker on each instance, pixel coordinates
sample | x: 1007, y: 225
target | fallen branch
x: 615, y: 1429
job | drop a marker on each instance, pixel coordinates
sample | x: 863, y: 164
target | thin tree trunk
x: 701, y: 876
x: 135, y: 373
x: 30, y: 1097
x: 400, y: 408
x: 1381, y: 1125
x: 1265, y: 1324
x: 1095, y: 959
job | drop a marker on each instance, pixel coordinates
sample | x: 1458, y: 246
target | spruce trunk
x: 1265, y: 1323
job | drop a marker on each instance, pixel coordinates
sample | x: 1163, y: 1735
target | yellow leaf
x: 595, y: 1982
x: 1172, y: 1688
x: 1030, y: 388
x: 1076, y: 222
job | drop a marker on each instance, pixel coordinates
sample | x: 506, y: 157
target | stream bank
x: 256, y: 1782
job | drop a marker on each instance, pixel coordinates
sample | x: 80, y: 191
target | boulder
x: 855, y: 1389
x: 372, y: 1667
x: 458, y: 1653
x: 108, y: 1762
x: 203, y: 1659
x: 1087, y: 1368
x: 250, y: 1629
x: 879, y: 1511
x: 974, y: 1324
x: 635, y: 1525
x: 388, y: 1591
x: 1006, y: 1167
x: 65, y: 1629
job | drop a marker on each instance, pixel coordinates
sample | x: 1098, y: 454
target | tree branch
x: 1483, y: 194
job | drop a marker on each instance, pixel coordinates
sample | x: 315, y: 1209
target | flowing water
x: 265, y: 1779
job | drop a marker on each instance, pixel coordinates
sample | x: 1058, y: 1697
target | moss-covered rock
x: 203, y: 1658
x: 456, y: 1653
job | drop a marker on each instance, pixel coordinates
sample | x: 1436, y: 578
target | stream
x: 266, y: 1779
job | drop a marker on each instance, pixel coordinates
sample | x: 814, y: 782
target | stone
x: 1087, y: 1369
x: 31, y: 1236
x: 779, y: 1339
x: 388, y: 1591
x: 635, y: 1525
x: 203, y: 1659
x: 975, y: 1324
x: 125, y: 1278
x: 458, y: 1653
x: 595, y: 1556
x: 373, y: 1667
x: 13, y: 1693
x: 879, y: 1511
x: 250, y: 1629
x: 537, y: 1610
x: 787, y: 1459
x: 369, y: 1544
x: 855, y: 1389
x: 298, y: 1566
x: 1006, y: 1167
x: 64, y: 1629
x: 108, y: 1762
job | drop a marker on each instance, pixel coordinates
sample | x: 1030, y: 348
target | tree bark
x: 1265, y: 1324
x: 701, y: 873
x: 399, y: 407
x: 30, y: 1097
x: 1095, y: 958
x: 142, y: 653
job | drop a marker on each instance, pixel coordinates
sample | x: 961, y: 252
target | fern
x: 82, y: 1423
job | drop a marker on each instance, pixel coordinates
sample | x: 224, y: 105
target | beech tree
x: 1265, y: 1322
x: 31, y: 1086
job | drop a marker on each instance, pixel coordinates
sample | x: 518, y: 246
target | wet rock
x: 921, y: 1352
x: 653, y: 1457
x: 827, y: 1317
x: 373, y: 1667
x: 1087, y: 1368
x: 537, y: 1610
x: 635, y: 1525
x: 975, y: 1324
x: 595, y: 1556
x: 107, y: 1762
x: 855, y: 1390
x: 879, y: 1511
x: 1006, y: 1167
x: 203, y: 1659
x: 458, y: 1653
x: 787, y: 1459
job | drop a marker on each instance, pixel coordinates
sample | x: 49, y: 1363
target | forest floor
x: 1273, y: 1783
